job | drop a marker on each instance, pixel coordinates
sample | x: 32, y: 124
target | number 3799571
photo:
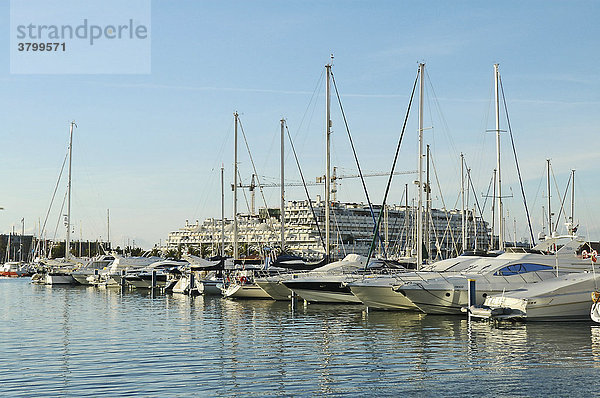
x: 41, y: 46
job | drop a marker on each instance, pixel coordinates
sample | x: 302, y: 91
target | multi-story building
x: 351, y: 226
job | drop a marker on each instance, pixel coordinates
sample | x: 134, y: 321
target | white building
x: 352, y: 226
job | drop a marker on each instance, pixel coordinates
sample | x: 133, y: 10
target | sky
x: 150, y: 146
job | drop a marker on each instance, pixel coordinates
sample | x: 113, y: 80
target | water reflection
x: 111, y: 342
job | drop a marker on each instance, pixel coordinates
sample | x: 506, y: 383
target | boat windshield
x: 521, y: 268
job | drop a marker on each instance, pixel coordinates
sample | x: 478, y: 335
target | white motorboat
x: 377, y: 291
x: 245, y: 290
x: 186, y: 284
x: 14, y: 269
x: 274, y: 287
x: 566, y: 298
x: 514, y: 269
x: 291, y: 267
x: 326, y: 284
x: 240, y: 284
x: 209, y: 284
x: 58, y: 271
x: 93, y: 267
x: 210, y: 287
x: 112, y: 276
x: 158, y: 271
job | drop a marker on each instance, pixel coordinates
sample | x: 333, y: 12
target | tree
x: 58, y: 250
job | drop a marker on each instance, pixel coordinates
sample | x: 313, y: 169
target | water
x: 83, y: 341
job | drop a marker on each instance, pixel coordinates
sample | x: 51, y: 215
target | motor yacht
x: 514, y: 269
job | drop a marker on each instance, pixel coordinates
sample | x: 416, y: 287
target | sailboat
x: 239, y: 283
x: 59, y: 270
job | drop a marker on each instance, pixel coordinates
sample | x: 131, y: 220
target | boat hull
x: 275, y: 289
x: 568, y: 302
x: 145, y: 281
x: 322, y: 291
x: 209, y: 287
x: 382, y: 298
x: 252, y: 291
x: 54, y: 278
x: 83, y: 277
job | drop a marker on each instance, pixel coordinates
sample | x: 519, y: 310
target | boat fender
x: 243, y: 280
x: 594, y: 256
x: 584, y: 254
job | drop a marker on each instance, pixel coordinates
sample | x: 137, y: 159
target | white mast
x: 572, y: 203
x: 549, y: 208
x: 427, y: 207
x: 420, y: 171
x: 108, y: 228
x: 500, y: 210
x: 235, y: 184
x: 327, y: 157
x: 282, y: 191
x: 222, y: 213
x: 462, y: 209
x: 21, y: 240
x: 68, y: 238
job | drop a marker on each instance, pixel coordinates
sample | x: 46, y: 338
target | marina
x: 105, y: 342
x: 299, y: 199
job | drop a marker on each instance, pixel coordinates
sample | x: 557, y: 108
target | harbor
x: 108, y: 343
x: 299, y: 199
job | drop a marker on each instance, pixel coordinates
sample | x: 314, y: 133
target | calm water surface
x: 83, y: 341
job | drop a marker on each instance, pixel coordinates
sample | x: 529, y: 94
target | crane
x: 318, y: 181
x: 335, y: 177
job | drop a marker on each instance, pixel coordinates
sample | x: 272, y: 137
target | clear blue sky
x: 149, y: 147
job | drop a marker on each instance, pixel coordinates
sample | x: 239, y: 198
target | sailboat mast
x: 108, y: 228
x: 549, y: 208
x: 68, y: 238
x: 21, y: 240
x: 499, y: 179
x: 222, y: 212
x: 282, y: 190
x: 427, y: 206
x: 327, y: 159
x: 573, y: 200
x: 420, y: 171
x: 462, y: 208
x: 493, y: 209
x: 235, y: 184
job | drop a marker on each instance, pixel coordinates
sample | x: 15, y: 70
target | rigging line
x: 537, y: 193
x: 487, y: 194
x: 436, y: 239
x: 400, y: 234
x: 212, y: 180
x: 60, y: 217
x: 516, y: 162
x: 470, y: 182
x: 387, y: 189
x: 558, y: 193
x: 438, y: 108
x: 53, y: 196
x: 394, y: 228
x: 375, y: 226
x: 562, y: 203
x: 339, y: 233
x: 260, y: 188
x: 395, y: 222
x: 312, y: 209
x: 244, y: 193
x: 312, y: 97
x: 448, y: 218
